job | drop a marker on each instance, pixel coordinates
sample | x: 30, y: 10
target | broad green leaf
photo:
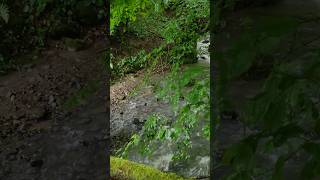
x: 278, y: 170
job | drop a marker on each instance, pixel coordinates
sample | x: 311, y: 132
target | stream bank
x: 42, y: 135
x: 130, y: 111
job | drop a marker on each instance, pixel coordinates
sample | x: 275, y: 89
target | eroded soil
x: 40, y: 136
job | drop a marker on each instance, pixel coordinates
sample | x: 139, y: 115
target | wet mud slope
x: 51, y: 125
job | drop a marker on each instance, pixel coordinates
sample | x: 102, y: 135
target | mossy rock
x: 122, y: 169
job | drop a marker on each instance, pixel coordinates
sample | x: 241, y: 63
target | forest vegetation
x: 176, y: 26
x: 280, y: 122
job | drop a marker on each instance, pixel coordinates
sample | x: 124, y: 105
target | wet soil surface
x: 129, y: 117
x: 74, y: 148
x: 39, y: 138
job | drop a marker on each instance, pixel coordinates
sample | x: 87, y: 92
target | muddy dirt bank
x: 42, y: 135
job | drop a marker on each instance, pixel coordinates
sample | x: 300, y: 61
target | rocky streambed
x: 129, y: 113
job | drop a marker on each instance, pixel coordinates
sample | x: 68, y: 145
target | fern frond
x: 4, y: 12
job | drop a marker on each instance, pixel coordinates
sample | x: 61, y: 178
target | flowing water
x: 230, y: 131
x: 141, y: 106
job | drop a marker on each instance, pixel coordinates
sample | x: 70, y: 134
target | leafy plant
x: 284, y: 116
x: 125, y: 11
x: 129, y: 64
x: 180, y: 31
x: 159, y: 128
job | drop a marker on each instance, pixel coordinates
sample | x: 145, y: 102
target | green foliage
x: 284, y: 113
x: 124, y: 11
x: 36, y: 20
x: 260, y: 40
x: 179, y: 23
x: 149, y: 25
x: 159, y: 128
x: 129, y: 64
x: 191, y: 19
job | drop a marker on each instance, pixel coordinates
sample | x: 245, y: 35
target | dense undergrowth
x: 179, y: 23
x: 28, y: 24
x: 284, y: 116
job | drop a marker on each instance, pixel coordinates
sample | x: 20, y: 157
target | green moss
x: 122, y: 169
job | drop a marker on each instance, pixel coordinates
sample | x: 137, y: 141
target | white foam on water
x: 203, y: 49
x: 163, y: 162
x: 201, y: 168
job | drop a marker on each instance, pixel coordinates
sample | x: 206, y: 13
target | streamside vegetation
x: 27, y: 25
x: 177, y: 25
x: 281, y: 121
